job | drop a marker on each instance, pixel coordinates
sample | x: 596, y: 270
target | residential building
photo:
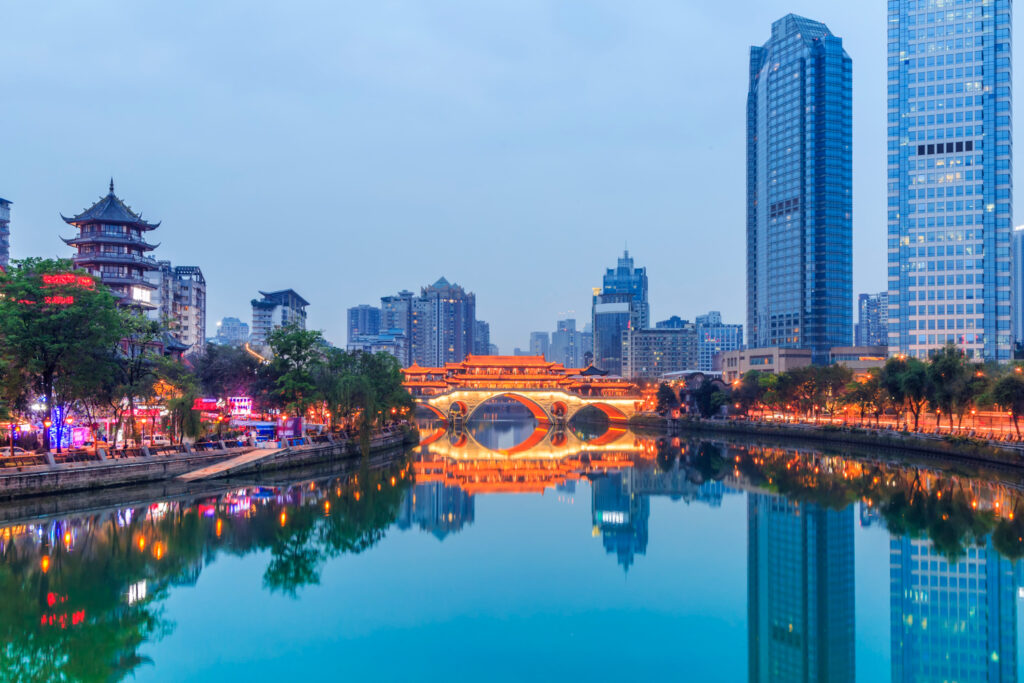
x: 799, y: 190
x: 396, y: 314
x: 179, y: 303
x: 5, y: 233
x: 800, y: 591
x: 443, y: 322
x: 231, y: 332
x: 481, y: 338
x: 714, y: 337
x: 950, y: 168
x: 363, y: 321
x: 673, y: 323
x: 111, y: 245
x: 567, y: 345
x: 734, y: 364
x: 650, y: 354
x: 394, y: 342
x: 1018, y: 284
x: 952, y: 621
x: 619, y: 304
x: 276, y: 309
x: 872, y: 320
x: 539, y: 343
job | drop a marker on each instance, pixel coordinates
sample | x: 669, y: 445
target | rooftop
x: 111, y: 210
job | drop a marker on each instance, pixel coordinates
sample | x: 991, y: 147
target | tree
x: 1008, y: 392
x: 135, y: 360
x: 227, y: 371
x: 949, y: 382
x: 53, y: 322
x: 916, y: 387
x: 667, y: 399
x: 709, y: 398
x: 297, y: 353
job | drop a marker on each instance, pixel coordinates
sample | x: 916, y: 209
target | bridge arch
x: 535, y: 408
x: 432, y: 409
x: 613, y: 414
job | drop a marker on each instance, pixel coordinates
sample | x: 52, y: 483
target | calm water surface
x: 502, y: 553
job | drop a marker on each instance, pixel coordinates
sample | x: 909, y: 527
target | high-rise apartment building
x: 179, y: 303
x: 363, y: 321
x: 443, y: 322
x: 276, y: 309
x: 800, y: 591
x: 872, y: 327
x: 396, y: 314
x: 5, y: 233
x: 231, y: 332
x: 952, y: 621
x: 568, y: 345
x: 950, y: 157
x: 650, y: 354
x: 481, y: 338
x: 619, y: 304
x: 799, y: 190
x: 714, y: 337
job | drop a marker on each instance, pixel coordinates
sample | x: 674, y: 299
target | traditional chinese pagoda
x: 111, y: 246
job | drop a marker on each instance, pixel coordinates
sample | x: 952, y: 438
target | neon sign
x: 69, y: 279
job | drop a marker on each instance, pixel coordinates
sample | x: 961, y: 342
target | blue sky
x: 352, y: 149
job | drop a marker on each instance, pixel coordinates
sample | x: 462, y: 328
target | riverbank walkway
x: 240, y: 462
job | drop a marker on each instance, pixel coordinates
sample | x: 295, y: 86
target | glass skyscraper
x: 619, y: 305
x: 949, y: 175
x: 799, y: 190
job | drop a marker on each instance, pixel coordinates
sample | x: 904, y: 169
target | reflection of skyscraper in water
x: 436, y: 508
x: 952, y: 621
x: 800, y: 591
x: 620, y: 516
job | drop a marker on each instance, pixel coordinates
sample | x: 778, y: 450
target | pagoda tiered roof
x: 110, y: 210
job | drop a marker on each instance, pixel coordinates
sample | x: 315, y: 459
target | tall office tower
x: 5, y: 233
x: 481, y: 338
x: 799, y: 190
x: 800, y: 591
x: 396, y: 314
x: 443, y: 318
x: 714, y: 337
x: 952, y: 621
x: 872, y: 327
x: 111, y: 244
x: 540, y: 342
x: 364, y: 321
x: 950, y: 177
x: 231, y: 332
x: 276, y: 309
x: 619, y: 304
x: 1018, y: 284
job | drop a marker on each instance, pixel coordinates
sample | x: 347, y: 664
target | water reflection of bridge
x: 545, y: 442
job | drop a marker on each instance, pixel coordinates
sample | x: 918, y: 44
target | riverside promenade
x: 27, y: 476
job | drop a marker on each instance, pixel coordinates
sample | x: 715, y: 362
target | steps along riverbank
x: 925, y: 447
x: 145, y: 467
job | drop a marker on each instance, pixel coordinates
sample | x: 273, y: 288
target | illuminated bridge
x: 552, y: 393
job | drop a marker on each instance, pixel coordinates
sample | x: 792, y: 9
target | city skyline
x: 600, y: 150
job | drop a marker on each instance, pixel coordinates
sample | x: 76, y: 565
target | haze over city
x: 349, y: 150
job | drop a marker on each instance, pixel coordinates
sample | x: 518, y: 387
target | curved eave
x: 78, y: 221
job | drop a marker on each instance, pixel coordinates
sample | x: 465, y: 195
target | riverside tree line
x: 946, y: 385
x: 65, y: 344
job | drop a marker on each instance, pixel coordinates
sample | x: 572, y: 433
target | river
x: 505, y: 552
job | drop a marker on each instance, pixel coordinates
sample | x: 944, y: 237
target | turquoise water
x: 636, y: 558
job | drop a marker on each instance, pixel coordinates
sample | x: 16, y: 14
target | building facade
x: 396, y: 314
x: 540, y: 343
x: 394, y: 342
x: 179, y: 303
x: 714, y: 337
x: 872, y: 320
x: 734, y: 364
x: 112, y: 246
x: 619, y: 304
x: 231, y: 332
x: 5, y: 233
x: 363, y: 321
x: 443, y: 324
x: 1018, y: 284
x: 950, y: 164
x: 650, y: 354
x: 481, y: 338
x: 276, y: 309
x: 799, y: 190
